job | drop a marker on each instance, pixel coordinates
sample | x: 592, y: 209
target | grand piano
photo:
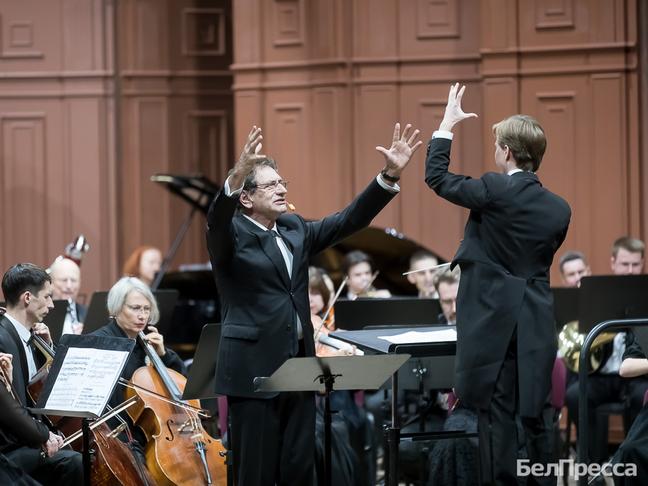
x: 198, y: 302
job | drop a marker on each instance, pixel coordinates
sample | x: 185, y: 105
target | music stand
x: 354, y: 315
x: 565, y: 305
x: 97, y: 315
x: 323, y: 375
x: 55, y: 319
x: 441, y: 342
x: 81, y: 380
x: 201, y: 381
x: 608, y: 297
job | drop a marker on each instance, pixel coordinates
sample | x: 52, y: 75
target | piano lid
x: 390, y: 251
x: 197, y: 190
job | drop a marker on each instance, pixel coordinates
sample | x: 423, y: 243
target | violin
x: 179, y: 450
x: 114, y: 462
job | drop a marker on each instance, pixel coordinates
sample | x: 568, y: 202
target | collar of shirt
x: 514, y: 171
x: 260, y: 225
x: 24, y: 334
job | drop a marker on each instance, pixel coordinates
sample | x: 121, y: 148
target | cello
x: 178, y: 450
x: 114, y: 463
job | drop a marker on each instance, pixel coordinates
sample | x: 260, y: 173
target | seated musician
x: 447, y: 287
x: 573, y: 266
x: 143, y: 263
x: 634, y: 449
x: 605, y: 385
x: 422, y: 263
x: 27, y: 290
x: 133, y: 309
x: 358, y: 268
x: 66, y: 283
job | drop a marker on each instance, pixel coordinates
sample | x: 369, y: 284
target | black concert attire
x: 506, y: 337
x: 21, y: 434
x: 262, y: 305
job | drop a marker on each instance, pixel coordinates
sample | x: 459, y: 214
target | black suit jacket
x: 259, y: 300
x: 11, y: 343
x: 513, y: 231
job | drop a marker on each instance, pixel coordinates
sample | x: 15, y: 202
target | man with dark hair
x: 27, y: 289
x: 506, y: 339
x: 573, y: 267
x: 447, y: 285
x: 260, y: 264
x: 422, y: 263
x: 358, y: 267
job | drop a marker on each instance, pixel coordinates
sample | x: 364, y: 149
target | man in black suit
x: 27, y: 290
x: 506, y: 338
x: 66, y: 283
x: 260, y: 262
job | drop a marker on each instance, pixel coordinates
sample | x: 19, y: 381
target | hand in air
x: 453, y: 112
x: 402, y: 148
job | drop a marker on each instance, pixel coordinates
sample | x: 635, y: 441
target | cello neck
x: 156, y: 362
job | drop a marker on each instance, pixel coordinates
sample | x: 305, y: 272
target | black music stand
x: 55, y: 319
x: 606, y: 297
x: 201, y: 381
x: 354, y: 315
x: 70, y: 388
x: 325, y: 374
x: 565, y: 305
x: 444, y: 348
x: 97, y: 315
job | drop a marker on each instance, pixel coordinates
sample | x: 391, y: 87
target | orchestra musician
x: 506, y: 340
x: 573, y: 266
x: 421, y: 266
x: 447, y: 286
x: 133, y: 309
x: 358, y: 268
x: 260, y: 259
x: 143, y: 263
x: 605, y: 385
x: 27, y: 290
x: 66, y: 283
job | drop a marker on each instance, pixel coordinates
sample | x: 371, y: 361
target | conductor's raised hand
x: 249, y: 155
x: 453, y: 112
x: 402, y: 148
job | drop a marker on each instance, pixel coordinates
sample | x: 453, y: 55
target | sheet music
x: 416, y: 337
x: 86, y: 380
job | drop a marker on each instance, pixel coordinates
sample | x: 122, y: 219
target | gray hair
x: 119, y: 292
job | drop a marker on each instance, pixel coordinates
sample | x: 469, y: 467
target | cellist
x: 27, y: 289
x: 133, y: 309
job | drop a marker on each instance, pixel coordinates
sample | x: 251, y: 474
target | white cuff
x: 381, y: 182
x: 442, y: 134
x: 228, y: 191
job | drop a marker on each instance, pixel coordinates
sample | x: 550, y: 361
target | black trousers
x: 64, y: 468
x: 498, y: 428
x: 273, y: 440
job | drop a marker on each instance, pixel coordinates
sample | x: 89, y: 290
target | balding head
x: 66, y: 279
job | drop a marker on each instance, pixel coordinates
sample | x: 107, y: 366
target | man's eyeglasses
x: 272, y: 185
x: 145, y: 309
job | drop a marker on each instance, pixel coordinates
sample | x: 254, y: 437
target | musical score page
x: 418, y: 337
x: 86, y: 380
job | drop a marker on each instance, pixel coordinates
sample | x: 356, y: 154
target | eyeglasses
x: 139, y: 308
x: 272, y: 185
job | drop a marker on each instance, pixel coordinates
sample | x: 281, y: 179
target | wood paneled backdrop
x: 98, y: 95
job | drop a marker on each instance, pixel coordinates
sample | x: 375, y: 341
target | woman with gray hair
x: 133, y: 309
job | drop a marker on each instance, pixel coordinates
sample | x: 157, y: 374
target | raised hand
x: 453, y: 112
x: 250, y: 154
x: 402, y: 148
